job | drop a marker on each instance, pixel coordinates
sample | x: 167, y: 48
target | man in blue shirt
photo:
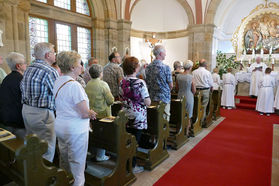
x: 159, y: 79
x: 37, y: 97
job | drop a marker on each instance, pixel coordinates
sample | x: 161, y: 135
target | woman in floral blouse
x: 135, y: 98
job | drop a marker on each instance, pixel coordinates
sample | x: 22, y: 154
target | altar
x: 243, y: 82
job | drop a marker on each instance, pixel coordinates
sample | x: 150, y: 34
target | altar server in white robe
x: 229, y: 82
x: 216, y: 79
x: 276, y: 102
x: 257, y: 69
x: 265, y: 101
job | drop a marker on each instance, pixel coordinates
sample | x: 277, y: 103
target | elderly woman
x: 73, y: 114
x: 100, y: 99
x: 10, y: 96
x: 186, y: 87
x: 135, y: 98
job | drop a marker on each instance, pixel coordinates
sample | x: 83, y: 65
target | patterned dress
x: 133, y: 92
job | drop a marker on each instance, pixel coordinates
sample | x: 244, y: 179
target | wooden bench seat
x: 22, y: 162
x: 111, y: 135
x: 158, y: 129
x: 178, y: 123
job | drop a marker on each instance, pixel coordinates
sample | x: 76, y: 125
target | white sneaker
x: 229, y: 108
x: 138, y: 169
x: 104, y: 158
x: 261, y: 114
x: 268, y: 114
x: 224, y: 107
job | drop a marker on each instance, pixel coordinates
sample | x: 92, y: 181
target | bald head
x: 258, y: 59
x: 203, y: 63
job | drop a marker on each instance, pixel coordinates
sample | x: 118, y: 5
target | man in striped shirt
x: 37, y: 97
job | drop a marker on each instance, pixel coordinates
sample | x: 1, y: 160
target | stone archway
x: 211, y: 11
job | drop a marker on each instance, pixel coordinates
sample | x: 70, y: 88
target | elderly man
x: 86, y: 75
x: 159, y: 79
x: 202, y: 78
x: 113, y: 74
x: 257, y: 69
x: 10, y: 96
x: 37, y: 97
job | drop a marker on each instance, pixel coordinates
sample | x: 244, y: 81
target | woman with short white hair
x: 186, y: 88
x: 72, y: 116
x: 10, y: 96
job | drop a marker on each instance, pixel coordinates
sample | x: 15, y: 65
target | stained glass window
x: 63, y: 4
x: 38, y: 30
x: 43, y: 1
x: 82, y: 7
x: 64, y: 42
x: 84, y: 43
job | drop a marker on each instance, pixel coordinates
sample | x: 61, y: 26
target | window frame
x: 52, y: 34
x: 73, y: 6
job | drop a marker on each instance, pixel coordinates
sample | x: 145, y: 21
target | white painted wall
x: 159, y: 16
x: 177, y: 49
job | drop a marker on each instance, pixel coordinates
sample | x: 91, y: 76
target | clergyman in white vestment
x: 229, y: 82
x: 265, y: 101
x: 257, y: 70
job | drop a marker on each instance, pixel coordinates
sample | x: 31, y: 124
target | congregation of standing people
x: 57, y: 99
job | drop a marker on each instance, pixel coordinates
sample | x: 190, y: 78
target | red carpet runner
x: 238, y: 152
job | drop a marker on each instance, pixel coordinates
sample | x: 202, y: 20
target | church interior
x: 238, y: 145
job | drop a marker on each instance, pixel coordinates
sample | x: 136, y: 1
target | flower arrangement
x: 223, y: 63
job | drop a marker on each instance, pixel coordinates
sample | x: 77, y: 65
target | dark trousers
x: 137, y: 133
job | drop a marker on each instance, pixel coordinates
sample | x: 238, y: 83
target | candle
x: 272, y: 61
x: 270, y: 50
x: 262, y: 53
x: 253, y: 53
x: 249, y: 61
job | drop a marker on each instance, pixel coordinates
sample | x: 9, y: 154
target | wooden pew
x: 216, y: 96
x: 209, y: 112
x: 111, y: 135
x: 158, y: 129
x: 179, y: 121
x: 116, y: 107
x: 197, y: 114
x: 22, y: 162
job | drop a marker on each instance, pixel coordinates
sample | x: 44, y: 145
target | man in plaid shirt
x: 37, y: 97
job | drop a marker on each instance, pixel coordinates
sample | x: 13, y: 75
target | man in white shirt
x: 257, y: 69
x: 204, y: 84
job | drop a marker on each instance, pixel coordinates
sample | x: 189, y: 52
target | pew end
x: 111, y: 135
x: 22, y: 162
x: 216, y: 96
x: 179, y: 121
x: 209, y: 111
x: 158, y: 129
x: 197, y: 114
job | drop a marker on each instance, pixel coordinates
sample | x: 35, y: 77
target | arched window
x: 65, y: 36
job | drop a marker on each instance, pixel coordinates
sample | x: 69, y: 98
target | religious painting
x: 262, y: 32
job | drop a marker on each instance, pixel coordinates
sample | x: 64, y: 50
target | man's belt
x: 202, y: 88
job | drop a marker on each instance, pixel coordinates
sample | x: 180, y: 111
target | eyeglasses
x: 54, y: 53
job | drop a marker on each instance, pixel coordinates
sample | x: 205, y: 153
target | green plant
x: 223, y: 63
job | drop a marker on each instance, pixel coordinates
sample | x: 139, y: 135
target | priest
x: 257, y: 69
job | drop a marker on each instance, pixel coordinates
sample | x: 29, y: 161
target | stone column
x: 111, y: 36
x: 99, y: 43
x: 201, y: 42
x: 124, y: 33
